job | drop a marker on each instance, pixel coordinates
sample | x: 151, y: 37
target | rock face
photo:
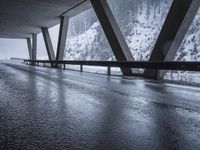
x: 140, y: 22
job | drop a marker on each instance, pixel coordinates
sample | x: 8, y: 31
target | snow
x: 140, y: 31
x: 81, y: 42
x: 192, y: 77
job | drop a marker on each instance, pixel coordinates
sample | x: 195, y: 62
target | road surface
x: 42, y: 108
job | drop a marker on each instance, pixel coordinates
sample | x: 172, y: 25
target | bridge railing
x: 171, y: 65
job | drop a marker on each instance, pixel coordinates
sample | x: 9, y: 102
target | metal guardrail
x: 172, y: 65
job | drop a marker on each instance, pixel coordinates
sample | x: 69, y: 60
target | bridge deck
x: 42, y: 108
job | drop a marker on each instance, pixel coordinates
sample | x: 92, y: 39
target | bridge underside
x: 21, y: 18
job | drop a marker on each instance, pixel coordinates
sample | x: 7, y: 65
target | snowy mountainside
x: 140, y: 27
x: 89, y: 46
x: 140, y: 30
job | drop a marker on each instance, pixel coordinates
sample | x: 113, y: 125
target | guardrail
x: 172, y: 65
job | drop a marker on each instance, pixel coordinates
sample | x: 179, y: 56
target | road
x: 42, y: 108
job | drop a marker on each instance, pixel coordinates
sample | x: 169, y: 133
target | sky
x: 18, y: 47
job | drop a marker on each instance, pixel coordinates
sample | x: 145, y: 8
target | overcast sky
x: 18, y: 47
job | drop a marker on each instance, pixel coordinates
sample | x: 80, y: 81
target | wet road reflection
x: 43, y: 108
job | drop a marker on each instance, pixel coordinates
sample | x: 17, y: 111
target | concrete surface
x: 20, y: 18
x: 43, y: 108
x: 113, y: 33
x: 176, y: 25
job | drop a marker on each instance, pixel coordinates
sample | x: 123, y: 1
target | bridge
x: 43, y: 105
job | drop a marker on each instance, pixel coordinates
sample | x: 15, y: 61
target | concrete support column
x: 177, y: 23
x: 34, y: 50
x: 29, y: 47
x: 48, y: 44
x: 64, y: 23
x: 113, y: 33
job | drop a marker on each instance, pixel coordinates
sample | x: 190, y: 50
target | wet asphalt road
x: 51, y: 109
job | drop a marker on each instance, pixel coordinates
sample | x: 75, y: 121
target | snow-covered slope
x: 140, y: 27
x: 91, y: 45
x: 146, y: 28
x: 140, y: 30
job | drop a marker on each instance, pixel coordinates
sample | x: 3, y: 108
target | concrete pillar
x: 48, y: 43
x: 177, y: 23
x: 113, y: 33
x: 34, y: 49
x: 64, y: 23
x: 29, y: 48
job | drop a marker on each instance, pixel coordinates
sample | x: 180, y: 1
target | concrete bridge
x: 53, y: 108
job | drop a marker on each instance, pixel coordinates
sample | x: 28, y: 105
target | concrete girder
x: 29, y: 47
x: 113, y: 33
x: 177, y: 23
x: 64, y: 23
x: 48, y: 43
x: 34, y: 48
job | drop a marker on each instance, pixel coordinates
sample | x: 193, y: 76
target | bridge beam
x: 48, y: 43
x: 113, y: 33
x: 64, y: 23
x: 34, y: 48
x: 177, y: 23
x: 29, y: 47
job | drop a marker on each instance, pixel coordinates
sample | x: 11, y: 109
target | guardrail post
x: 157, y: 72
x: 64, y: 66
x: 109, y: 71
x: 81, y: 68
